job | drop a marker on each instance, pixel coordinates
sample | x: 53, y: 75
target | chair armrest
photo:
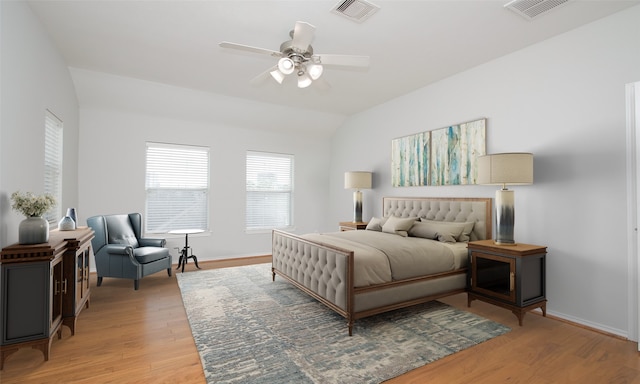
x: 151, y: 242
x: 118, y: 249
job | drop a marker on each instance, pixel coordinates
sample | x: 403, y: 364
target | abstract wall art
x: 410, y: 160
x: 445, y: 156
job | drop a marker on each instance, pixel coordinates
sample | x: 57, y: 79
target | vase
x: 71, y: 212
x: 33, y: 230
x: 66, y: 224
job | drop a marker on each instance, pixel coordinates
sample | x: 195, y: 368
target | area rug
x: 249, y: 329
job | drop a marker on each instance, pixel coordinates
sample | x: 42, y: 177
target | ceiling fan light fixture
x: 286, y: 65
x: 304, y: 81
x: 315, y: 71
x: 277, y: 75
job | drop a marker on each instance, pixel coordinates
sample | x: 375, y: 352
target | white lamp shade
x: 315, y: 71
x: 304, y: 81
x: 286, y: 65
x: 506, y: 169
x: 357, y: 180
x: 277, y: 75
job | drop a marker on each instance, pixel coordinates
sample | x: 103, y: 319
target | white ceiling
x: 411, y: 43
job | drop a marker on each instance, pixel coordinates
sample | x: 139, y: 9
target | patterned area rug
x: 249, y: 329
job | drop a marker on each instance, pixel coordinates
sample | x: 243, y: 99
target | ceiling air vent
x: 355, y: 10
x: 530, y: 9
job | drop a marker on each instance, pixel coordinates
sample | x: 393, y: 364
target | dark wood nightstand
x: 510, y: 276
x: 350, y: 225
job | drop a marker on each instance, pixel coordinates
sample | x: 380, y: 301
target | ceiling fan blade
x: 344, y: 60
x: 302, y: 35
x: 263, y: 77
x: 321, y: 84
x: 248, y: 48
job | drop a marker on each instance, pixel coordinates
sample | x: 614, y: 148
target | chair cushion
x: 146, y: 255
x: 120, y: 230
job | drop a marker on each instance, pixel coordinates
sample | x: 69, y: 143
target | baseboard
x: 595, y: 327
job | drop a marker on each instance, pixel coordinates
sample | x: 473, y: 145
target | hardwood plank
x: 143, y: 336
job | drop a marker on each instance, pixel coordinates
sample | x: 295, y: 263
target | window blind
x: 177, y: 187
x: 269, y: 190
x: 53, y: 164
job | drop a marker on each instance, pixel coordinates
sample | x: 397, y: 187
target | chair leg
x: 169, y: 271
x: 136, y: 284
x: 99, y: 282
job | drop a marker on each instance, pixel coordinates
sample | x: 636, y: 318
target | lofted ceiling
x: 411, y: 44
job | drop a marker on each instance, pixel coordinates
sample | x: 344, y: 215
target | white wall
x: 33, y: 78
x: 563, y: 100
x: 112, y: 157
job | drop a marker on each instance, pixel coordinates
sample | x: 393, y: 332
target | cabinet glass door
x: 79, y: 277
x: 59, y: 289
x: 493, y: 276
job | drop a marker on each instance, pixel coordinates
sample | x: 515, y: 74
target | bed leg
x: 350, y: 325
x: 273, y: 274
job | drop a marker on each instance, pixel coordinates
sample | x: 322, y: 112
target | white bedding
x: 383, y: 257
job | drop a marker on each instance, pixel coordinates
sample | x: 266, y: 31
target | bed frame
x: 326, y: 272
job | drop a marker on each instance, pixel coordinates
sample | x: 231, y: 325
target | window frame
x: 53, y: 164
x: 171, y: 163
x: 290, y: 191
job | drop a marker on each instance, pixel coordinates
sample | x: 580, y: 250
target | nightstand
x: 509, y: 276
x: 350, y: 225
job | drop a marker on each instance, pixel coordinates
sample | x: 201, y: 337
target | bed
x: 346, y: 270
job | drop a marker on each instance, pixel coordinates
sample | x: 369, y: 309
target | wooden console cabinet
x: 510, y: 276
x: 42, y: 287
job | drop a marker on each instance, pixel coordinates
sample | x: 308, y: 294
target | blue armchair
x: 121, y: 252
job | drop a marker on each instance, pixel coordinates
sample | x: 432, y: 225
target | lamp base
x: 505, y: 217
x: 357, y: 206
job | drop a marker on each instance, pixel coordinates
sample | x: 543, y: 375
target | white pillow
x: 398, y: 226
x: 466, y: 232
x: 376, y: 223
x: 445, y: 231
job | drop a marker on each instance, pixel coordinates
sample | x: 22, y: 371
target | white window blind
x: 53, y: 164
x: 177, y: 185
x: 269, y: 191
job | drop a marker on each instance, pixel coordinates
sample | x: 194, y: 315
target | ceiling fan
x: 296, y: 57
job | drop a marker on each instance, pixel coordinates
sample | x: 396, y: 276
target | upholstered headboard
x: 456, y: 209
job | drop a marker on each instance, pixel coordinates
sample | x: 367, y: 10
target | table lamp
x: 357, y: 180
x: 505, y: 169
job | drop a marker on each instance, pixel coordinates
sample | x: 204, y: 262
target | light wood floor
x: 143, y: 336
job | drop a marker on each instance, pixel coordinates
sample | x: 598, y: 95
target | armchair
x: 121, y: 252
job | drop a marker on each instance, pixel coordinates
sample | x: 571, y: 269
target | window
x: 53, y: 164
x: 269, y: 191
x: 177, y: 185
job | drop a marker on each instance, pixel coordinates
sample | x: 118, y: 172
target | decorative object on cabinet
x: 357, y: 180
x: 505, y: 169
x: 71, y: 212
x: 44, y: 286
x: 34, y: 229
x: 121, y: 251
x: 66, y: 224
x: 351, y: 226
x: 445, y: 156
x: 512, y: 277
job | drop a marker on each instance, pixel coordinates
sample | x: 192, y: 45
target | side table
x: 184, y: 253
x: 351, y: 225
x: 509, y: 276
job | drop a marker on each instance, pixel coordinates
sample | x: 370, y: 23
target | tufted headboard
x: 456, y: 209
